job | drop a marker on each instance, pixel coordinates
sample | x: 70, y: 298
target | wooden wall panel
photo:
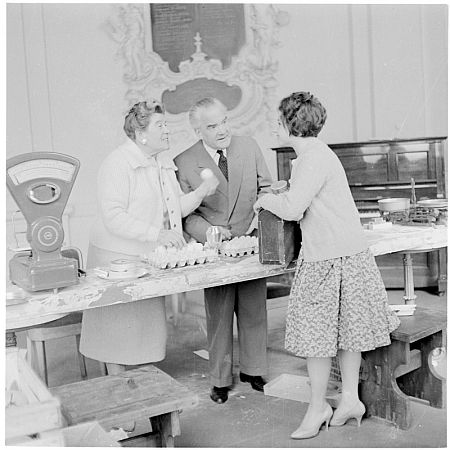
x: 362, y: 77
x: 18, y: 121
x: 397, y: 62
x: 435, y: 67
x: 37, y: 77
x: 315, y: 56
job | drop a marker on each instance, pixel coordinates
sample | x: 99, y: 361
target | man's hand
x: 226, y: 233
x: 253, y: 224
x: 170, y: 238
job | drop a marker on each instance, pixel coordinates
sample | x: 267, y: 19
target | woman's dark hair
x: 303, y: 114
x: 138, y: 117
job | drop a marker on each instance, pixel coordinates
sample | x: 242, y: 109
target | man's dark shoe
x: 256, y: 381
x: 219, y: 394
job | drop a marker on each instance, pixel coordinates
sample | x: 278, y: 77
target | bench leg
x: 423, y: 383
x: 380, y: 392
x: 103, y: 370
x: 167, y: 426
x: 10, y: 339
x: 37, y: 358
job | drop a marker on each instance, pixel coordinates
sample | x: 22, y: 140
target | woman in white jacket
x: 140, y: 207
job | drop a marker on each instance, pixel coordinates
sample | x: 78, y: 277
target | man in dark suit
x: 243, y: 175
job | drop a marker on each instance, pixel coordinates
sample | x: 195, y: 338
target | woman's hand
x: 257, y: 206
x: 170, y: 238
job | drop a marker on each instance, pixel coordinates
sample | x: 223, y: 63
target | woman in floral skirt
x: 338, y: 303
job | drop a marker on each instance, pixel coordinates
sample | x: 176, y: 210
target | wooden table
x: 93, y: 292
x: 410, y: 241
x: 121, y: 401
x: 396, y: 374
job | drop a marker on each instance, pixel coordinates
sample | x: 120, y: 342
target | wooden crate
x: 279, y: 240
x: 38, y: 410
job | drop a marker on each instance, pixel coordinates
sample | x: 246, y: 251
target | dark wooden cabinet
x: 378, y: 169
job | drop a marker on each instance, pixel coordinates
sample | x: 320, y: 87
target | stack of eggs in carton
x: 190, y: 254
x: 240, y: 246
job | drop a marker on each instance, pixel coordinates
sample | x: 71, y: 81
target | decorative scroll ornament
x: 253, y: 70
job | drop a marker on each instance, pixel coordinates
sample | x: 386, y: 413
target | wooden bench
x: 398, y: 373
x: 125, y: 400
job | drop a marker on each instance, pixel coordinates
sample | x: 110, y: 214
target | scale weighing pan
x: 433, y: 203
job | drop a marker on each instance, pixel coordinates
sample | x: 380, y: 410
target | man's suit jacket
x: 232, y: 204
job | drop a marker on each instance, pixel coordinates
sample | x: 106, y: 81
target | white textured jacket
x: 320, y: 197
x: 131, y: 189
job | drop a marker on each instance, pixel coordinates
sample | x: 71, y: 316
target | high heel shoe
x: 356, y: 412
x: 314, y: 431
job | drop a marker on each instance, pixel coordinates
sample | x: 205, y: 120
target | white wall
x: 380, y: 70
x: 65, y: 93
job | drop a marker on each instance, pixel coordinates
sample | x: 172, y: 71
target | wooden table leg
x: 409, y: 297
x: 380, y: 392
x: 167, y: 426
x: 178, y: 303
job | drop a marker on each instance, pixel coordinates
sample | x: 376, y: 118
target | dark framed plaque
x: 174, y: 26
x: 189, y: 92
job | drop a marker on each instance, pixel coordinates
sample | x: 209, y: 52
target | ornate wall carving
x: 253, y: 69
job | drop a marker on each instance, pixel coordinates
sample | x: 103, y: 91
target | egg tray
x: 172, y: 263
x: 234, y: 253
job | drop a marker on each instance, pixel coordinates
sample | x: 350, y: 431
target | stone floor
x: 251, y: 419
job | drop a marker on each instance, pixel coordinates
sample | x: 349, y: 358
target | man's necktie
x: 223, y: 165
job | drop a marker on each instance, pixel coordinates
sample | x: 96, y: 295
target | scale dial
x: 41, y: 168
x: 47, y: 234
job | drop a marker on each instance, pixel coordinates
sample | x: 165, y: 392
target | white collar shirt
x: 213, y: 152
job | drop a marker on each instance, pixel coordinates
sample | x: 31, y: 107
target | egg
x: 206, y: 173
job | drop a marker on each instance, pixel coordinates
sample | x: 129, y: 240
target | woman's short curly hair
x: 138, y: 117
x: 303, y: 114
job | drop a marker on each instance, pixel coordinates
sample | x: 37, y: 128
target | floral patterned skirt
x: 338, y: 304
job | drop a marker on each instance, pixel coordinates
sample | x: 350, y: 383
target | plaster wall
x: 380, y: 70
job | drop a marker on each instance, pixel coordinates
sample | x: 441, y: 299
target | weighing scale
x: 40, y: 183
